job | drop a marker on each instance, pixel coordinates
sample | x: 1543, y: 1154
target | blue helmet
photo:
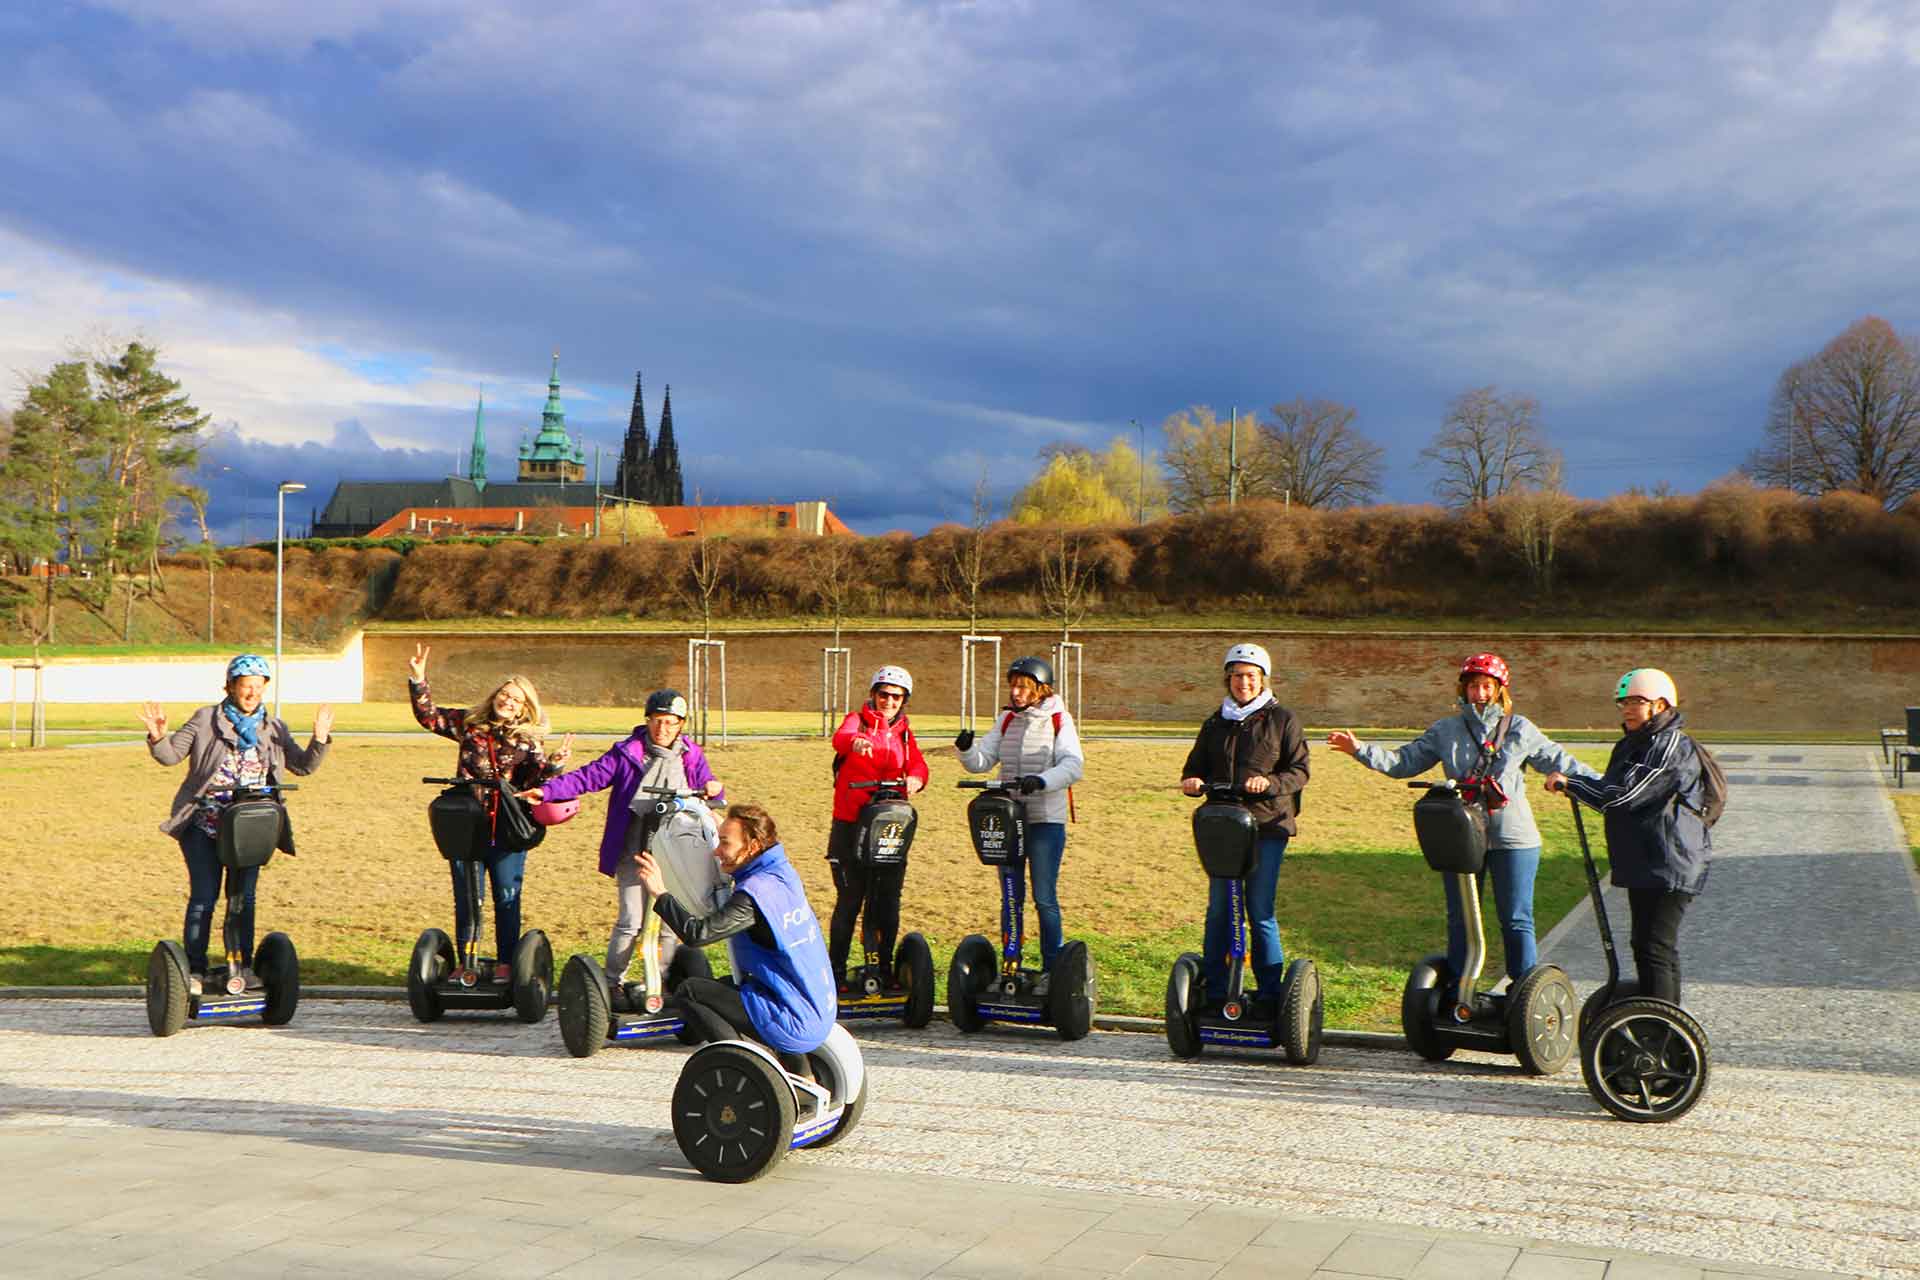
x: 248, y: 664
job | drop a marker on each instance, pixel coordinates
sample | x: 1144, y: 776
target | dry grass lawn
x: 95, y: 883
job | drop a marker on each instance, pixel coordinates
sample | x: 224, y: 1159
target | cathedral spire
x: 477, y: 460
x: 668, y: 491
x: 634, y: 451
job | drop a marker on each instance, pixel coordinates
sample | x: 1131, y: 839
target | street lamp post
x: 1140, y: 494
x: 279, y: 579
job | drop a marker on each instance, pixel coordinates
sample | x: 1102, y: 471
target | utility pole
x: 1140, y: 498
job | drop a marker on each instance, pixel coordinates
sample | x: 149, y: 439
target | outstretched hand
x: 154, y: 716
x: 532, y: 795
x: 323, y: 722
x: 417, y: 664
x: 1343, y: 741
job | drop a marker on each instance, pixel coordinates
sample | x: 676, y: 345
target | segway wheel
x: 167, y: 988
x: 532, y: 975
x: 432, y: 960
x: 278, y: 965
x: 586, y: 1007
x: 1418, y: 1002
x: 974, y: 964
x: 823, y: 1073
x: 1303, y: 1013
x: 687, y: 962
x: 732, y: 1113
x: 1541, y: 1020
x: 1646, y: 1060
x: 1070, y: 999
x: 1625, y: 989
x: 913, y: 962
x: 1185, y: 987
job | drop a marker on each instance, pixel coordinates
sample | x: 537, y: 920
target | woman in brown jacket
x: 1255, y: 746
x: 232, y: 743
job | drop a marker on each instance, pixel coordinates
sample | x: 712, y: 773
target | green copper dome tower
x: 553, y: 454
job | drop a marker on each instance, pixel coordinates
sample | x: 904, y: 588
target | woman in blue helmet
x: 783, y: 993
x: 233, y: 743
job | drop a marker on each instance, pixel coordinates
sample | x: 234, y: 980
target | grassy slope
x: 94, y: 883
x: 1907, y: 805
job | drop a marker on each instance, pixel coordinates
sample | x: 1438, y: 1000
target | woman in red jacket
x: 875, y: 743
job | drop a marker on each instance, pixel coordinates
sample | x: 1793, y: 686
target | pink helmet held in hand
x: 551, y: 813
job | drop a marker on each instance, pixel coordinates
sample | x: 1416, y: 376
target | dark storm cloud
x: 879, y: 243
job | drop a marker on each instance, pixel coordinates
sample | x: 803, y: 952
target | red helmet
x: 1485, y: 664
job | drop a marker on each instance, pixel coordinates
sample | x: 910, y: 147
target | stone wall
x: 1728, y: 683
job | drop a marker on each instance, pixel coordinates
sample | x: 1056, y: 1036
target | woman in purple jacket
x: 658, y: 755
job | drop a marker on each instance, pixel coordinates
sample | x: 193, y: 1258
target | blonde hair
x: 527, y: 730
x: 1505, y: 699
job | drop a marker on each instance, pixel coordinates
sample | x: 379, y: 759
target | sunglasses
x: 888, y: 695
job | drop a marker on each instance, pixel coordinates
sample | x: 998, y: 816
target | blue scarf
x: 246, y: 728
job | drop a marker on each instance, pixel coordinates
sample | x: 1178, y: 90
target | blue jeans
x: 1512, y: 872
x: 506, y: 870
x: 203, y: 887
x: 1046, y: 845
x: 1263, y: 886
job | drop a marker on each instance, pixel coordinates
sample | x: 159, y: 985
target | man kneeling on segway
x: 783, y: 990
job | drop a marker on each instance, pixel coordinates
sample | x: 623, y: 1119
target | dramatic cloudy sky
x: 876, y: 245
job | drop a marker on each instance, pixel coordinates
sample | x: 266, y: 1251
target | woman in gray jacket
x: 1037, y: 748
x: 1485, y: 740
x: 232, y: 743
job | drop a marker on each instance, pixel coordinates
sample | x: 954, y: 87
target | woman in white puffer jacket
x: 1037, y: 749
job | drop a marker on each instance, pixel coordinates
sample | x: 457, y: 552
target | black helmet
x: 1038, y: 670
x: 666, y: 702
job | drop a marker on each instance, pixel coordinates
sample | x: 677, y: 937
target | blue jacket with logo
x: 1651, y: 798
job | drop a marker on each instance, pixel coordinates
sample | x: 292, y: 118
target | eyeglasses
x: 1634, y: 700
x: 888, y: 695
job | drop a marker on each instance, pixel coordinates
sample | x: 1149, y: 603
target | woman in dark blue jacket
x: 1652, y: 799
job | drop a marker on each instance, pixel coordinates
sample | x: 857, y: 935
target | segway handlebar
x: 879, y: 784
x: 254, y: 790
x: 979, y: 784
x: 1447, y: 784
x: 467, y: 782
x: 680, y: 793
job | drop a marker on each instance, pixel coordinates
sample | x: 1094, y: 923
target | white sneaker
x: 194, y: 983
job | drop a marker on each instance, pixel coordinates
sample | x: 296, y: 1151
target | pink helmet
x: 551, y: 813
x: 1485, y: 664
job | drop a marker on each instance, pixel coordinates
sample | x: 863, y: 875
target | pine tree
x: 50, y: 481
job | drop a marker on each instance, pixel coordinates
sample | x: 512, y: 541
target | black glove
x: 1031, y: 783
x: 965, y: 741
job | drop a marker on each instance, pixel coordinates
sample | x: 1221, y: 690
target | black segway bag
x: 1452, y: 831
x: 998, y: 827
x: 886, y: 833
x: 459, y: 823
x: 1225, y: 835
x: 249, y: 832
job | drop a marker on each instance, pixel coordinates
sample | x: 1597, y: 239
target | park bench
x: 1905, y: 753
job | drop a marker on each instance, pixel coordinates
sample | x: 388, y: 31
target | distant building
x: 552, y: 473
x: 579, y: 522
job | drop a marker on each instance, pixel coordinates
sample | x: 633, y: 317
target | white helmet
x: 1648, y: 683
x: 1250, y: 653
x: 892, y: 675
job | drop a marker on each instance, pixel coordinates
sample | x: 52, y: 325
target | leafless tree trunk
x: 966, y: 569
x: 1317, y: 457
x: 1067, y: 575
x: 707, y: 566
x: 1847, y: 418
x: 835, y: 575
x: 1487, y: 446
x: 1532, y: 519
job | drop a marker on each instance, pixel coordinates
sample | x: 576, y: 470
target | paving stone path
x: 358, y: 1142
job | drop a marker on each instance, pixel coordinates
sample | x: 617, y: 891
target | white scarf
x: 1231, y: 710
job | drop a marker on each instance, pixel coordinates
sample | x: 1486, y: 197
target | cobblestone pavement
x: 356, y: 1141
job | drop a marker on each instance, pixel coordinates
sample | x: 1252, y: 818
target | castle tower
x: 553, y: 455
x: 634, y: 452
x: 477, y: 460
x: 667, y: 488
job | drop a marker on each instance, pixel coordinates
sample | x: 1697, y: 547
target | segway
x: 1644, y: 1059
x: 438, y: 978
x: 904, y: 989
x: 1441, y: 1011
x: 678, y: 828
x: 737, y: 1111
x: 1227, y: 839
x: 979, y: 990
x: 250, y: 826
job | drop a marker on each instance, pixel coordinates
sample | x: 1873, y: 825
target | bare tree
x: 1847, y: 418
x: 1316, y: 458
x: 1068, y: 571
x: 835, y: 567
x: 706, y: 566
x: 966, y: 567
x: 1532, y: 519
x: 1206, y: 465
x: 206, y: 550
x: 1489, y: 445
